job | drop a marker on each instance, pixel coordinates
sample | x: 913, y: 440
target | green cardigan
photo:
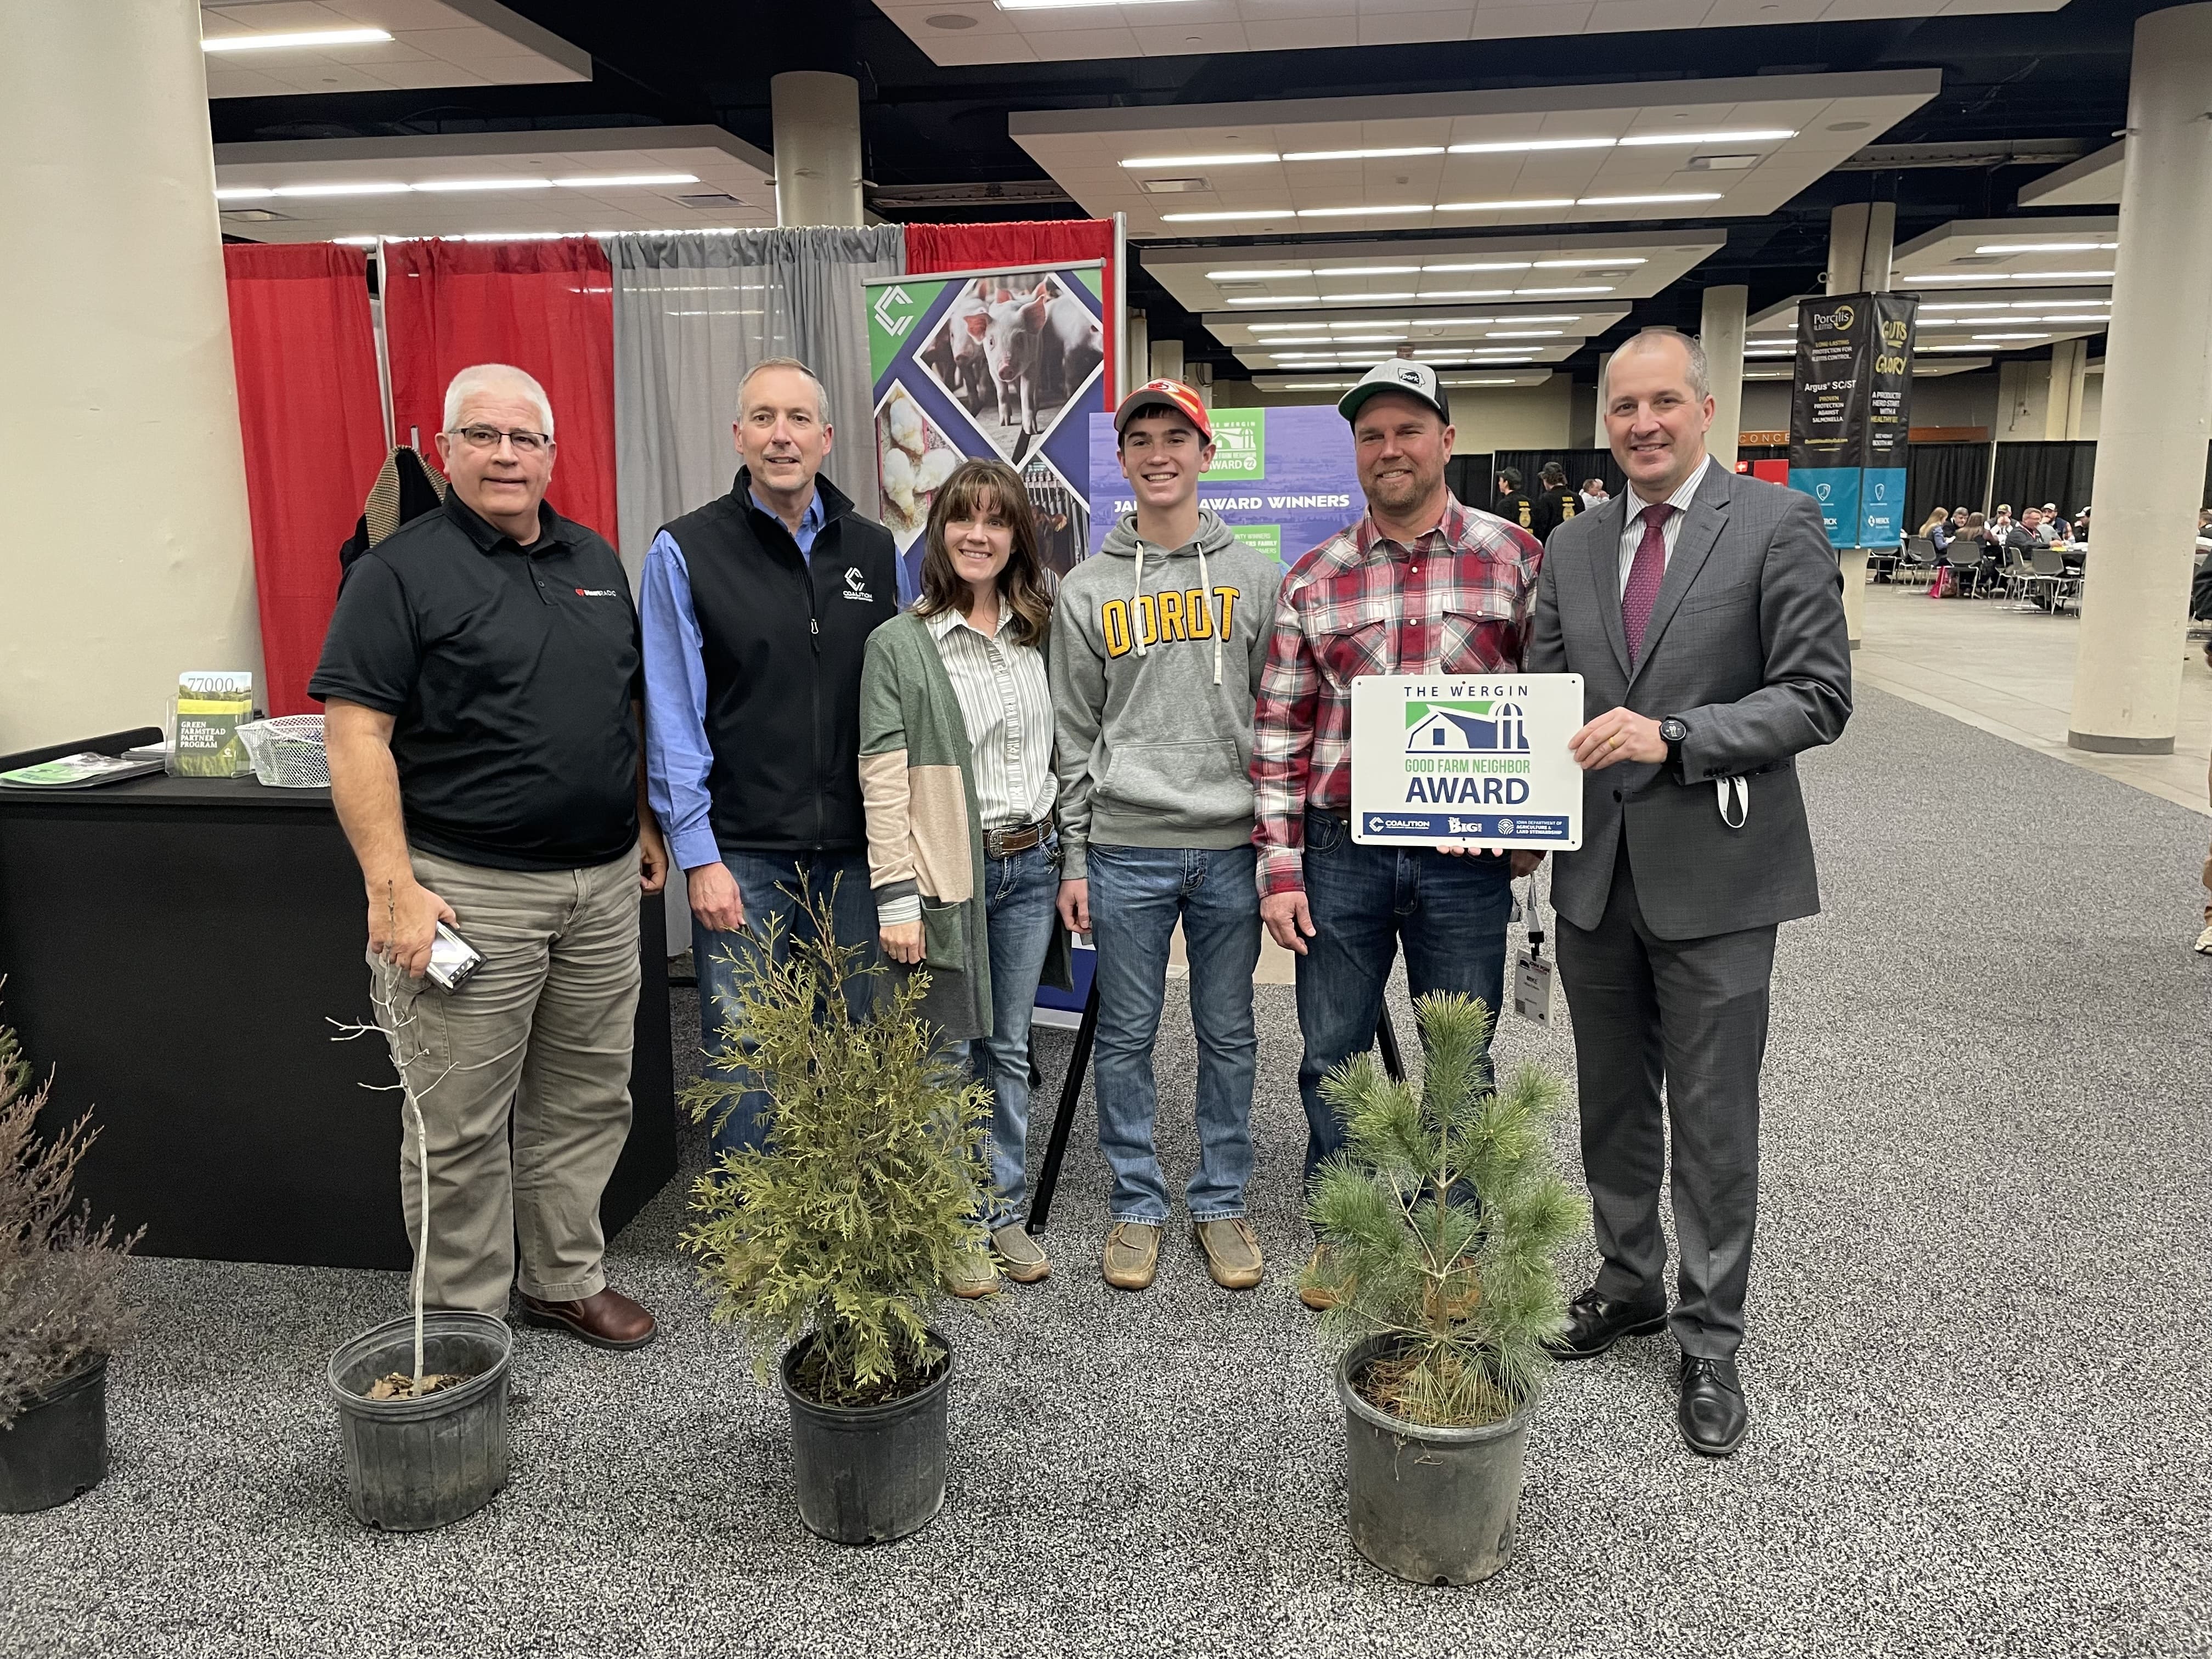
x: 925, y: 833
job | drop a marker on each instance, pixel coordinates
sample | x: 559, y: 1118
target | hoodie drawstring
x: 1212, y: 621
x: 1205, y: 581
x: 1136, y: 593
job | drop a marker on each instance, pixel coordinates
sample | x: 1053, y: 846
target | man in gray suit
x: 1705, y: 612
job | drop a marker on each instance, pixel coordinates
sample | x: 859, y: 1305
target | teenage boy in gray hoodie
x: 1157, y: 646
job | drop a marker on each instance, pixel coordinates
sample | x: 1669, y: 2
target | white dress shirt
x: 1631, y: 534
x: 1006, y: 704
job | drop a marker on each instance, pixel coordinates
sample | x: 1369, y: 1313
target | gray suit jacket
x: 1747, y: 645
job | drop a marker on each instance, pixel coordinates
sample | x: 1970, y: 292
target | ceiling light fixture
x: 1585, y: 289
x: 627, y: 180
x: 1578, y: 264
x: 1524, y: 333
x: 340, y: 190
x: 1362, y: 299
x: 2046, y: 247
x: 1486, y: 265
x: 1238, y: 161
x: 1511, y: 146
x: 1275, y: 299
x: 1361, y: 154
x: 1371, y: 270
x: 440, y: 185
x: 1197, y: 218
x: 1756, y: 136
x: 1372, y: 322
x: 2012, y: 337
x: 2060, y: 276
x: 1069, y: 5
x: 298, y: 41
x: 1254, y: 276
x: 1466, y: 293
x: 1505, y: 207
x: 1352, y: 212
x: 1642, y: 201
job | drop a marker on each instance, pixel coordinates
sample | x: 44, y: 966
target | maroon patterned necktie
x: 1643, y: 577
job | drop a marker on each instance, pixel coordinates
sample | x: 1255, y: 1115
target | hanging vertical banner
x: 1849, y: 412
x: 1283, y: 480
x: 1001, y: 363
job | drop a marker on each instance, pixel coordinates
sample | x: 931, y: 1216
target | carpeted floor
x: 1979, y: 1384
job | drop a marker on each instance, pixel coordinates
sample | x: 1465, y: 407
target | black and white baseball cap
x: 1415, y: 379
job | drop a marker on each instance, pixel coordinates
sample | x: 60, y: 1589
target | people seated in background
x: 2080, y: 524
x: 481, y: 678
x: 2055, y: 529
x: 1965, y: 553
x: 1157, y: 647
x: 758, y: 609
x: 2026, y: 536
x: 1947, y: 528
x: 954, y: 695
x: 1593, y: 492
x: 1936, y: 517
x: 2001, y: 525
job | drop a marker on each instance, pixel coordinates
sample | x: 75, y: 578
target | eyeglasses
x: 525, y: 441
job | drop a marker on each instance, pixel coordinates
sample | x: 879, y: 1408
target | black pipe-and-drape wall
x: 1943, y: 475
x: 2030, y: 474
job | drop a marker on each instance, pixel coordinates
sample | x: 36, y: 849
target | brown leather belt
x: 1004, y: 843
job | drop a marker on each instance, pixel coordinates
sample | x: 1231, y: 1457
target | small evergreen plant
x: 842, y: 1226
x: 1443, y: 1218
x: 61, y: 1278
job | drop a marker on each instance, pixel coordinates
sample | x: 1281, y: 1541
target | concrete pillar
x: 1860, y: 237
x: 1720, y: 330
x: 817, y: 118
x: 2157, y: 406
x: 2070, y: 381
x: 129, y: 555
x: 1199, y: 379
x: 1140, y: 336
x: 1167, y: 360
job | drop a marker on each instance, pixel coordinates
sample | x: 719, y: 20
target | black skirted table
x: 176, y: 949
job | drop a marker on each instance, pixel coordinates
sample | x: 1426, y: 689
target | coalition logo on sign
x: 1487, y: 726
x: 856, y: 584
x: 894, y: 326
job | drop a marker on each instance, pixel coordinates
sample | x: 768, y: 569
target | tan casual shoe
x: 1020, y: 1257
x: 1232, y: 1250
x: 2204, y: 941
x: 1312, y: 1290
x: 1132, y: 1255
x: 972, y: 1275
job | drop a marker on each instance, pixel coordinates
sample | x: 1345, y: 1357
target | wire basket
x: 287, y: 752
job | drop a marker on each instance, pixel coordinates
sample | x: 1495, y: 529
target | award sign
x: 1484, y: 760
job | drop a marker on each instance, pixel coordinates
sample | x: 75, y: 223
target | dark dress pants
x: 1690, y: 1014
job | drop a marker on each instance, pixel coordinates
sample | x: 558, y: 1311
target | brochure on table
x: 1481, y: 760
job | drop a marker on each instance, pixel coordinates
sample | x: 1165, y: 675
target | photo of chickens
x: 913, y: 458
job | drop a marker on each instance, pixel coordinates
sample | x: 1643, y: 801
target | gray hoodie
x: 1155, y: 660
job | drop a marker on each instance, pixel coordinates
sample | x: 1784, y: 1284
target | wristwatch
x: 1674, y: 732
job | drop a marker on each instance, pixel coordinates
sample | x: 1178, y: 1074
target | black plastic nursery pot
x: 411, y: 1465
x: 868, y: 1474
x: 1438, y: 1506
x: 57, y: 1447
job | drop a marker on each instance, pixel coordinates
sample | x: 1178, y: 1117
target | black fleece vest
x: 783, y: 642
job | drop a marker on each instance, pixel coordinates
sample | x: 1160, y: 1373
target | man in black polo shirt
x: 482, y: 681
x: 757, y: 610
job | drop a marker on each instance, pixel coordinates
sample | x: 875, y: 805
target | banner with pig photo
x: 1003, y: 363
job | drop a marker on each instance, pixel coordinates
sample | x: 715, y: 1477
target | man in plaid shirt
x: 1420, y: 585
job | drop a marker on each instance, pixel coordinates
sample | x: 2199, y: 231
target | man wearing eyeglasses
x: 484, y: 682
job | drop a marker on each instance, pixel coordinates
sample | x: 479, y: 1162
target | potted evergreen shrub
x: 421, y: 1400
x: 1443, y: 1218
x: 829, y: 1245
x: 62, y: 1312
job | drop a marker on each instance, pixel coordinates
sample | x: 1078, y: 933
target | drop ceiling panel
x: 721, y: 166
x: 1625, y: 149
x: 434, y: 42
x: 1628, y: 265
x: 1972, y: 253
x: 2092, y: 181
x: 957, y: 32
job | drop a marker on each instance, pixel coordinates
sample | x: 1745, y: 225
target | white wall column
x: 1720, y: 330
x: 1167, y: 360
x: 1140, y: 336
x: 2070, y: 381
x: 1860, y: 237
x: 2157, y: 404
x: 817, y: 119
x: 1598, y: 439
x: 128, y: 555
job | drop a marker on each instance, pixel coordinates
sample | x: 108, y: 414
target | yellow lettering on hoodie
x: 1148, y: 621
x: 1170, y: 607
x: 1197, y: 618
x: 1228, y: 596
x: 1113, y: 624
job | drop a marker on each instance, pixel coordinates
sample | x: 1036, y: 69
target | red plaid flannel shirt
x: 1456, y: 601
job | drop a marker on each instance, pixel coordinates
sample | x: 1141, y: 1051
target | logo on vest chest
x: 856, y: 585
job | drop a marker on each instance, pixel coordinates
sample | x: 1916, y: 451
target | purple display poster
x: 1282, y: 479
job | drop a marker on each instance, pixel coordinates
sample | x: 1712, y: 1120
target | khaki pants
x: 535, y: 1045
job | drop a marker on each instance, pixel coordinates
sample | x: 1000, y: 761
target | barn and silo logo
x: 1484, y: 725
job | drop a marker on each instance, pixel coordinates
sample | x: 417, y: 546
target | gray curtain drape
x: 693, y: 312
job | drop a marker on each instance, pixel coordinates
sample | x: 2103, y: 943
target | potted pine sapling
x: 1443, y: 1218
x: 62, y: 1312
x: 829, y: 1245
x: 421, y: 1400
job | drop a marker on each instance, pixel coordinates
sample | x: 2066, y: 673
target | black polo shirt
x: 510, y: 675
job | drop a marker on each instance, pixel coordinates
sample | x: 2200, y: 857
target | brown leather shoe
x: 609, y: 1320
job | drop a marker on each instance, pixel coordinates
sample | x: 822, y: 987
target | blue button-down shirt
x: 678, y: 757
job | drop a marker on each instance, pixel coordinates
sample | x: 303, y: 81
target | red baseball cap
x: 1173, y: 396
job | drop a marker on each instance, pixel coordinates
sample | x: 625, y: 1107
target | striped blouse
x: 1006, y: 704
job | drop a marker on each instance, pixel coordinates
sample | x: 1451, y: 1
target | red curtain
x: 548, y: 308
x: 312, y: 416
x: 1020, y: 242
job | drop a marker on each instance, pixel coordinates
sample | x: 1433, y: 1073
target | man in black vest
x: 757, y: 611
x: 1555, y: 502
x: 1510, y: 504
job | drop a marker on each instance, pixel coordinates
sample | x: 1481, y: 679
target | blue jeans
x: 1137, y: 894
x: 1018, y: 894
x: 771, y: 884
x: 1448, y: 911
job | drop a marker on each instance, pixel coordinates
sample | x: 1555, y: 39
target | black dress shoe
x: 1712, y: 1413
x: 1596, y: 1322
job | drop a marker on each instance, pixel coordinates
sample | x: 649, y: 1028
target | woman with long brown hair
x: 956, y: 772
